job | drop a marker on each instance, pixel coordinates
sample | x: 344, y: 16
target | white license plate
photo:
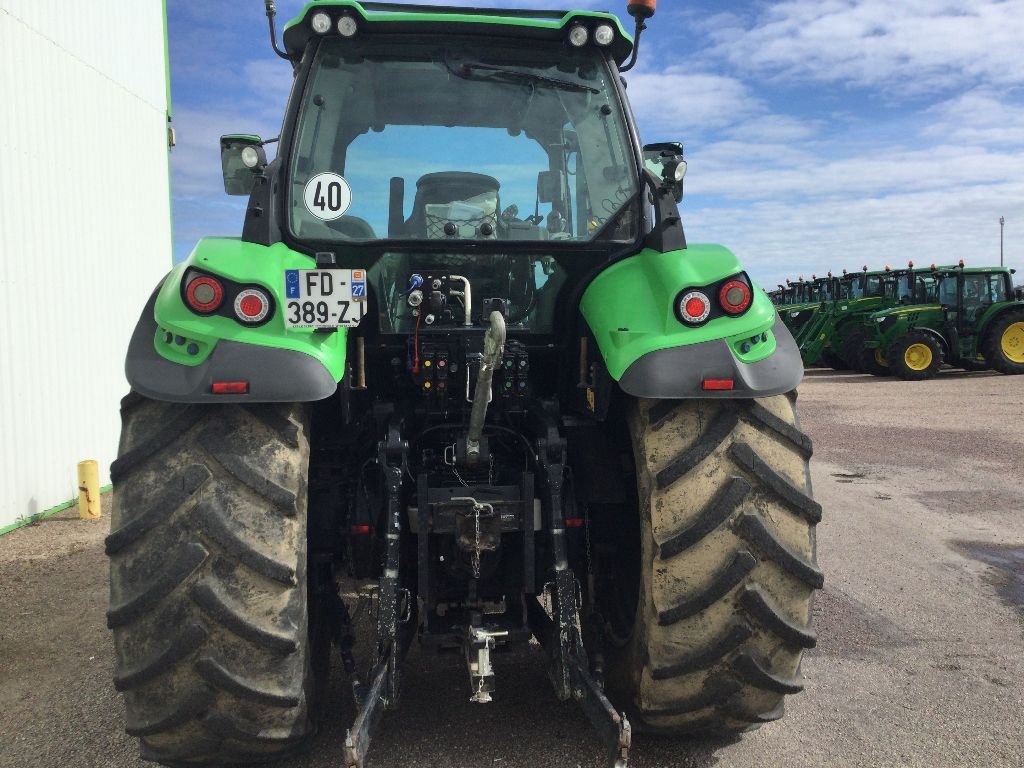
x: 324, y: 298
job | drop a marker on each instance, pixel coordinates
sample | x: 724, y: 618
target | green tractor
x: 802, y: 319
x: 837, y: 337
x: 461, y: 362
x: 966, y: 317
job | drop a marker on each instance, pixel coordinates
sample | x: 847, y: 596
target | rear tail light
x: 204, y: 294
x: 694, y: 307
x: 252, y: 305
x: 734, y: 297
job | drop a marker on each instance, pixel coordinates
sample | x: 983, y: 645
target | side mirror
x: 666, y: 160
x: 242, y: 159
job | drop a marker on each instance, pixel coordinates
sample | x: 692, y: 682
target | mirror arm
x: 667, y: 234
x: 271, y: 7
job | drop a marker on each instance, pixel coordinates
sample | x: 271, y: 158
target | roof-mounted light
x: 347, y: 26
x: 321, y: 23
x: 604, y: 35
x: 579, y: 36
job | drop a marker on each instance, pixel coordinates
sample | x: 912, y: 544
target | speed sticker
x: 327, y: 196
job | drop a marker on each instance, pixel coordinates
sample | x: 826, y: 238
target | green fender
x: 176, y: 354
x: 630, y: 308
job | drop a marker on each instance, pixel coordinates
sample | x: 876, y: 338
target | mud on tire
x: 728, y: 566
x: 208, y: 580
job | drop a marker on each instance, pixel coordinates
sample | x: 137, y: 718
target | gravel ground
x: 919, y: 661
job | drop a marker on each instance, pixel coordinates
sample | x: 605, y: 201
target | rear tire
x: 727, y: 565
x: 852, y: 349
x: 208, y: 580
x: 873, y: 361
x: 915, y: 357
x: 833, y: 361
x: 1004, y: 345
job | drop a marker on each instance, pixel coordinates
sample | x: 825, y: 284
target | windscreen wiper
x: 466, y: 71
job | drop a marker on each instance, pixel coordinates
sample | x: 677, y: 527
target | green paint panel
x: 248, y: 264
x: 630, y: 307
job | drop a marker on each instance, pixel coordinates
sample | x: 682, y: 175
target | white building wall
x: 84, y: 230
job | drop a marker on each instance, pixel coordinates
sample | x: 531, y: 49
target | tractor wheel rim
x: 1013, y: 343
x: 918, y: 357
x: 880, y: 358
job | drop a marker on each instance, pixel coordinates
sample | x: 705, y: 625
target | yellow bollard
x: 89, y: 490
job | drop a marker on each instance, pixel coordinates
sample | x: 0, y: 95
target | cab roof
x: 376, y: 18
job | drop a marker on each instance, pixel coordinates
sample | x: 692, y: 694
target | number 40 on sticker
x: 327, y: 196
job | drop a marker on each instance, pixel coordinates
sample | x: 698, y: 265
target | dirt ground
x: 920, y: 660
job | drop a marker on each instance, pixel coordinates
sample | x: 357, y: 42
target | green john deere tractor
x: 462, y: 358
x: 968, y: 318
x: 837, y: 337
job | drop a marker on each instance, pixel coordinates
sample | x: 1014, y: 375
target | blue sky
x: 819, y: 133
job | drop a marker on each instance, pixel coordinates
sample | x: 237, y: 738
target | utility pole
x: 1002, y: 221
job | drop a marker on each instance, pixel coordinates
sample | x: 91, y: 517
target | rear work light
x: 321, y: 23
x: 230, y: 388
x: 204, y: 294
x: 579, y: 36
x: 252, y: 305
x: 694, y: 307
x: 734, y: 297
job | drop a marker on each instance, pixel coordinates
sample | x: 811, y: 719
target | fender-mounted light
x: 229, y: 388
x: 604, y: 35
x: 734, y: 297
x: 321, y: 23
x: 694, y: 307
x: 204, y: 294
x: 347, y: 26
x: 579, y: 36
x: 252, y: 305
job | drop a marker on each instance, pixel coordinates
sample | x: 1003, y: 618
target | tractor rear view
x: 463, y: 355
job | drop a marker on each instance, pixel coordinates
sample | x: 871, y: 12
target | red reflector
x: 717, y: 384
x: 251, y: 306
x: 574, y: 522
x: 695, y: 307
x: 361, y: 529
x: 230, y: 388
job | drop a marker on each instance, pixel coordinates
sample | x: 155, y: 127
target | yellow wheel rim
x: 918, y: 357
x: 880, y: 359
x: 1013, y: 343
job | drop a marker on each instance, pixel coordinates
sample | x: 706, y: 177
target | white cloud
x: 912, y: 45
x: 688, y: 104
x: 980, y: 116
